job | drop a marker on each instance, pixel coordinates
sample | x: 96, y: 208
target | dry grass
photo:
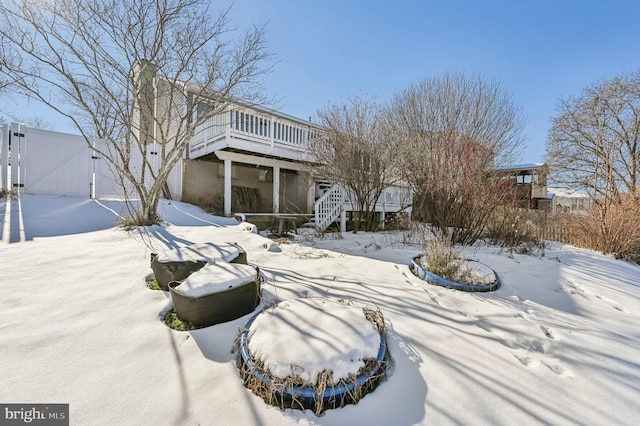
x: 608, y: 228
x: 443, y: 259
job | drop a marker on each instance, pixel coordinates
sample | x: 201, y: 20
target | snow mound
x: 217, y: 277
x: 303, y: 337
x: 207, y: 252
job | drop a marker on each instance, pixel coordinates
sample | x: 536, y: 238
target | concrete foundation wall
x: 252, y: 187
x: 201, y: 184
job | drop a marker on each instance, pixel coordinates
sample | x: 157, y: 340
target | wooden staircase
x: 329, y: 207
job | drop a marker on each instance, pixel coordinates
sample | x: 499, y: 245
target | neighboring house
x: 565, y: 200
x: 529, y: 181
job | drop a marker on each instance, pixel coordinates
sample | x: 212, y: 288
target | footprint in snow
x: 558, y: 369
x: 547, y: 331
x: 526, y: 361
x: 534, y: 362
x: 433, y: 298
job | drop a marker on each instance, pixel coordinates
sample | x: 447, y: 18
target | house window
x: 203, y: 108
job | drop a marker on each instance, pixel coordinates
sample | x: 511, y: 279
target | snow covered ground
x: 558, y: 343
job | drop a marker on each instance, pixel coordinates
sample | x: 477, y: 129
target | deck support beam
x: 276, y: 189
x: 227, y: 187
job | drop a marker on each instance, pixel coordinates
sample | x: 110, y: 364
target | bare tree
x: 134, y: 74
x: 452, y: 130
x: 594, y: 143
x: 36, y: 122
x: 4, y: 64
x: 355, y: 152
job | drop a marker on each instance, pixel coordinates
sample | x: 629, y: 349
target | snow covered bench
x: 178, y: 264
x: 218, y: 292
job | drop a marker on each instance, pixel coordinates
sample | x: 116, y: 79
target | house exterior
x: 254, y: 159
x: 250, y: 159
x: 244, y: 159
x: 565, y: 200
x: 529, y: 181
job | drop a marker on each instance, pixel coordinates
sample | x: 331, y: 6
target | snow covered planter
x: 482, y: 278
x: 216, y: 293
x: 178, y: 264
x: 313, y: 353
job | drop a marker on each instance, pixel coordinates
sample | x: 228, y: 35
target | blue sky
x: 540, y: 50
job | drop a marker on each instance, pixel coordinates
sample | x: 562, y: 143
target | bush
x: 516, y: 230
x: 610, y: 228
x: 443, y: 259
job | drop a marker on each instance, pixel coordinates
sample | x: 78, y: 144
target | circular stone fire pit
x: 313, y: 353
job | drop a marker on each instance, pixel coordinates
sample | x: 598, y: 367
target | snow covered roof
x: 523, y: 166
x: 566, y: 193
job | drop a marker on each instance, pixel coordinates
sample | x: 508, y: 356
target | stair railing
x: 329, y: 207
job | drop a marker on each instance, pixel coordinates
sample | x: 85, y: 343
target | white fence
x: 42, y: 162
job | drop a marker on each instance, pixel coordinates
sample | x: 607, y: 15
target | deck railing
x: 329, y: 207
x: 254, y: 126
